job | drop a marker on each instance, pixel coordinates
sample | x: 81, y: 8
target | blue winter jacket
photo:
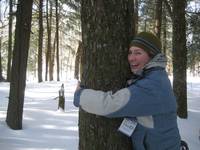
x: 149, y: 99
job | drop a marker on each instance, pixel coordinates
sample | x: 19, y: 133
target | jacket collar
x: 157, y: 61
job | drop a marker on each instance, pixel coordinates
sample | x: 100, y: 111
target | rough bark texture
x: 180, y: 56
x: 107, y: 28
x: 19, y: 64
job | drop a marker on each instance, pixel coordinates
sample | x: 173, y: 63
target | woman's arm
x: 99, y: 102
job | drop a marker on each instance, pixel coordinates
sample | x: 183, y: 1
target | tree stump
x: 61, y: 101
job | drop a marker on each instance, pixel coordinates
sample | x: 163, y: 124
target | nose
x: 131, y: 58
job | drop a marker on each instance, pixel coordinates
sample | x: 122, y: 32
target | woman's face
x: 137, y: 58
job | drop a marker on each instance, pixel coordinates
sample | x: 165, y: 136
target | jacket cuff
x: 77, y: 95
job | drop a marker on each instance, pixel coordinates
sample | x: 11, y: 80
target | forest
x: 49, y: 40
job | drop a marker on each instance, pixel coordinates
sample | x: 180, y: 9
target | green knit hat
x: 148, y: 42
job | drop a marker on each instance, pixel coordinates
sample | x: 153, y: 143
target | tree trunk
x: 158, y: 18
x: 77, y: 68
x: 180, y: 56
x: 57, y: 42
x: 164, y: 45
x: 50, y: 36
x: 1, y: 34
x: 107, y: 28
x: 51, y: 63
x: 10, y: 40
x: 48, y: 51
x: 1, y: 76
x: 136, y: 10
x: 40, y: 41
x: 19, y: 64
x: 68, y: 60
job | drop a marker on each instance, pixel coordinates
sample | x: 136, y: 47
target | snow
x: 44, y: 126
x: 47, y: 128
x: 190, y: 128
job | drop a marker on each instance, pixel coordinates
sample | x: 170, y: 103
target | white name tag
x: 127, y: 126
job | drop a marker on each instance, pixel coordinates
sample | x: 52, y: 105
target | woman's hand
x: 78, y: 86
x: 77, y: 94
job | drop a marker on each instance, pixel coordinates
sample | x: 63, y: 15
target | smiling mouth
x: 134, y: 66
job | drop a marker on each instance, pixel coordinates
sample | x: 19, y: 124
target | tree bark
x: 136, y: 10
x: 77, y: 68
x: 158, y: 18
x: 57, y: 42
x: 48, y: 51
x: 107, y: 28
x: 52, y: 62
x: 40, y: 41
x: 1, y: 76
x: 50, y: 39
x: 10, y: 40
x: 19, y: 64
x: 180, y: 56
x: 1, y: 34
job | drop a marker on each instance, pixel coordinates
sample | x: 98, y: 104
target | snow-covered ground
x: 46, y: 128
x: 190, y: 128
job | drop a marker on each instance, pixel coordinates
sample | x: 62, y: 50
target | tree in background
x: 158, y: 18
x: 10, y: 40
x: 78, y: 60
x: 136, y: 15
x: 40, y: 41
x: 1, y: 37
x: 180, y: 56
x: 193, y: 44
x: 1, y: 76
x: 49, y: 31
x: 19, y: 64
x: 57, y: 42
x: 107, y: 28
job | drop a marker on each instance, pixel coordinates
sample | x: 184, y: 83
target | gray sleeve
x: 103, y: 103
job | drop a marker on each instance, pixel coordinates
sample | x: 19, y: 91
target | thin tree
x: 164, y: 45
x: 1, y: 35
x: 40, y: 41
x: 107, y: 28
x: 51, y: 63
x: 57, y: 42
x: 180, y: 56
x: 136, y: 10
x: 1, y: 76
x: 52, y: 50
x: 158, y: 18
x: 49, y: 22
x: 50, y: 35
x: 77, y: 68
x: 10, y: 39
x: 19, y: 64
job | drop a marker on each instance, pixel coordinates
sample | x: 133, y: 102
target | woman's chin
x: 134, y: 71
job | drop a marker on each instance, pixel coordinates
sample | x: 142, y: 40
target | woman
x: 147, y: 105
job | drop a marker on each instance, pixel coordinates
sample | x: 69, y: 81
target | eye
x: 137, y: 53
